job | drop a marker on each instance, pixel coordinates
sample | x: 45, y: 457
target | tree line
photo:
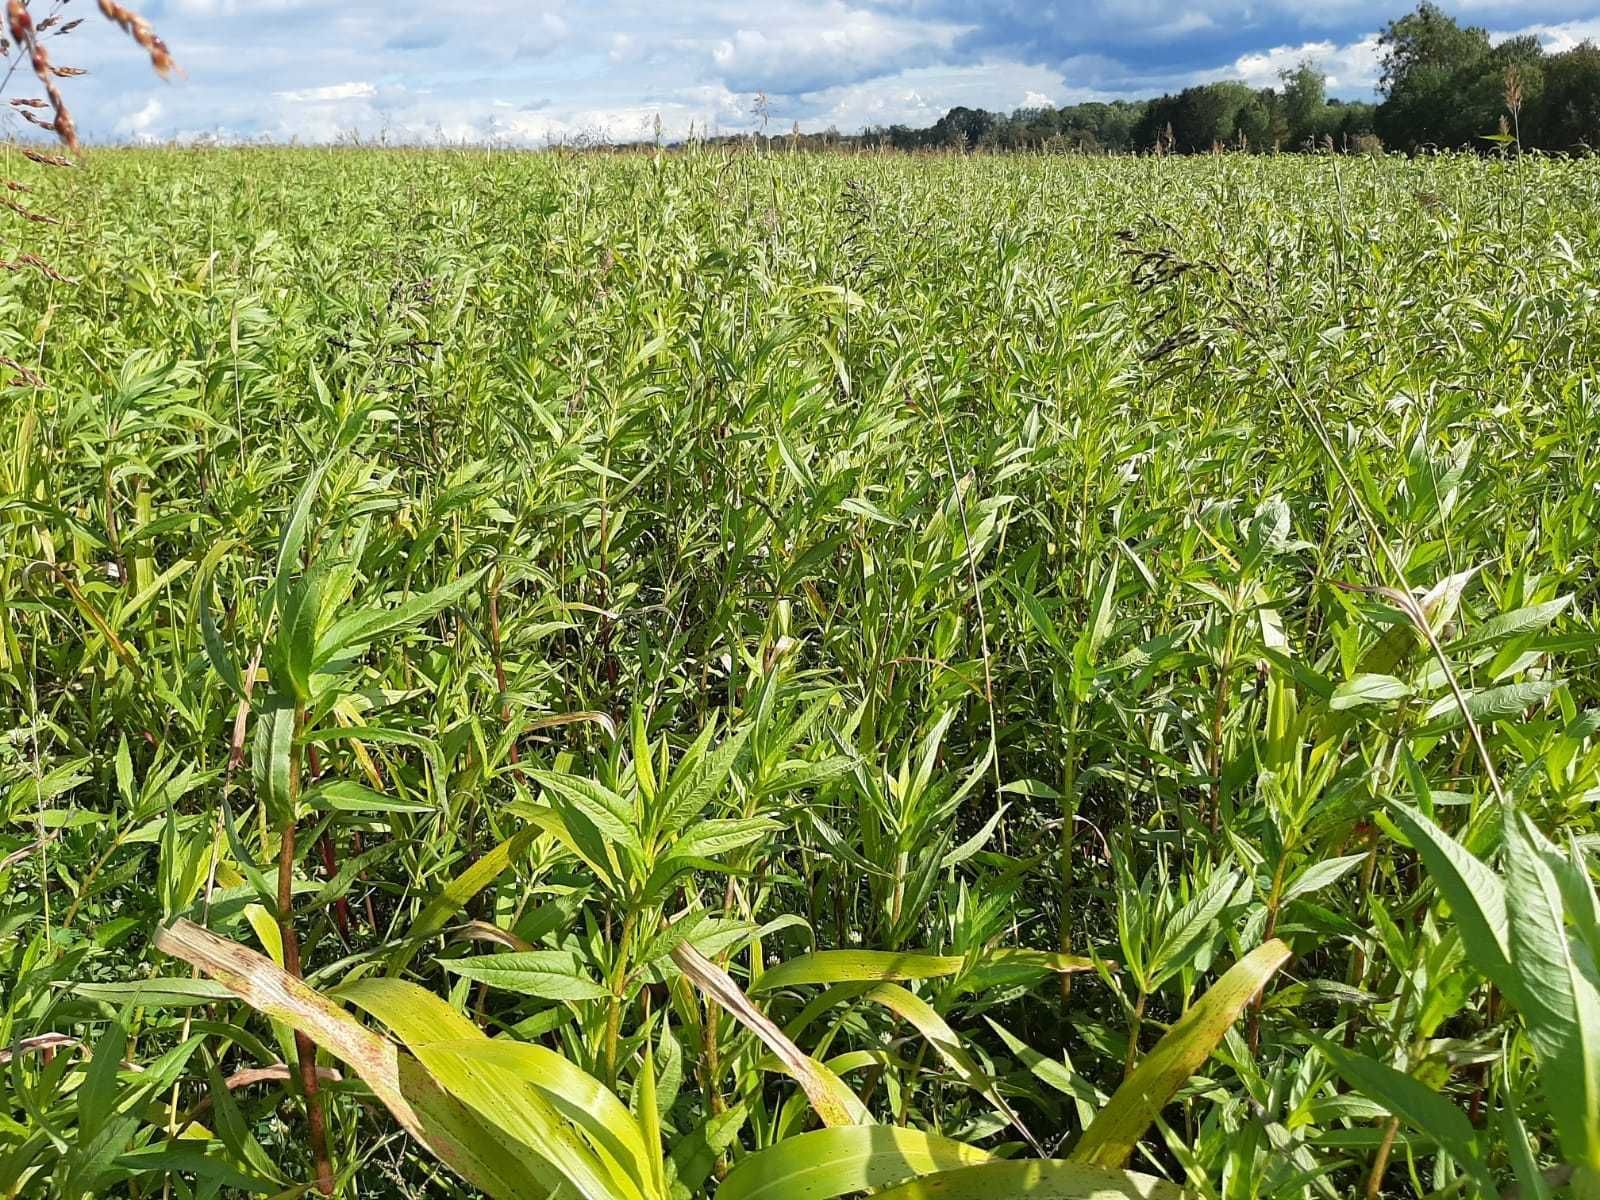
x: 1443, y: 85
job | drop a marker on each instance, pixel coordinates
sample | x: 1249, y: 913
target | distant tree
x: 1442, y: 83
x: 1305, y: 96
x: 1432, y: 72
x: 1515, y: 65
x: 1424, y: 39
x: 1160, y: 114
x: 1348, y: 122
x: 1567, y: 115
x: 1209, y: 114
x: 1110, y: 127
x: 1256, y: 126
x: 903, y: 137
x: 962, y: 128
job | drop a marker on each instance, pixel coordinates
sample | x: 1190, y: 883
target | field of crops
x: 781, y: 676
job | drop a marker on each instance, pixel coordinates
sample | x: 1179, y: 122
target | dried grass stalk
x: 139, y: 30
x: 23, y: 32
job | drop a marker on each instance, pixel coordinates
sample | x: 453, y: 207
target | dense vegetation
x: 769, y: 675
x: 1444, y: 85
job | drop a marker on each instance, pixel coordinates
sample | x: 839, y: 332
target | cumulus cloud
x: 1566, y: 35
x: 142, y: 125
x: 808, y: 47
x: 1351, y: 69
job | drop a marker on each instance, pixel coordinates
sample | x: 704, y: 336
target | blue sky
x: 531, y: 72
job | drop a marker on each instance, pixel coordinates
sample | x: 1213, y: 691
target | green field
x: 1100, y: 652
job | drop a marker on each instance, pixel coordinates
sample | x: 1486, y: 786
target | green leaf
x: 1412, y: 1101
x: 1475, y: 894
x: 294, y: 532
x: 861, y: 966
x: 1114, y: 1133
x: 345, y: 795
x: 698, y: 777
x: 489, y: 867
x: 1514, y: 624
x: 1047, y: 1070
x: 1515, y: 1136
x: 708, y: 839
x: 99, y: 1091
x: 547, y: 974
x: 300, y: 619
x: 1368, y: 689
x: 974, y: 843
x: 422, y: 1021
x: 359, y: 629
x: 609, y: 813
x: 272, y: 762
x: 1319, y: 875
x: 492, y: 1079
x: 1560, y: 999
x: 1488, y: 706
x: 193, y: 1159
x: 830, y: 1099
x: 232, y: 1128
x: 216, y: 649
x: 156, y: 992
x: 921, y: 1015
x: 454, y: 1134
x: 1034, y: 1179
x: 836, y: 1162
x: 1190, y: 928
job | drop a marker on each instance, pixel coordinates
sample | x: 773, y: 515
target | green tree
x: 1566, y: 116
x: 1200, y: 117
x: 1427, y: 38
x: 1429, y: 61
x: 1305, y: 96
x: 1258, y: 122
x: 963, y: 128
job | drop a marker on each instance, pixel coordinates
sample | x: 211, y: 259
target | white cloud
x: 1037, y: 100
x: 141, y: 125
x: 354, y: 90
x: 1354, y: 69
x: 812, y: 44
x: 234, y: 8
x: 1556, y: 38
x: 1351, y: 69
x: 921, y: 95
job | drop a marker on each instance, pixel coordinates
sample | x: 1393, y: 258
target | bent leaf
x: 835, y: 1103
x: 423, y: 1109
x: 1112, y: 1135
x: 948, y: 1046
x: 424, y: 1022
x: 458, y: 891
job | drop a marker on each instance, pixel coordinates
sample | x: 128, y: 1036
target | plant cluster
x: 767, y: 676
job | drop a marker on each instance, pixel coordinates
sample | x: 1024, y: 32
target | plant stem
x: 1131, y: 1058
x: 619, y: 988
x: 1380, y: 1161
x: 305, y: 1050
x: 1069, y: 816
